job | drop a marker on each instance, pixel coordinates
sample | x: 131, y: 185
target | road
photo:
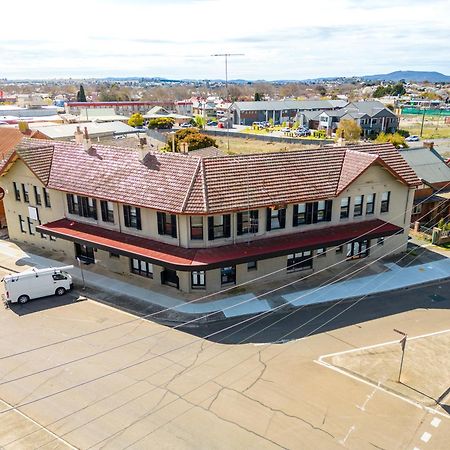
x: 77, y: 374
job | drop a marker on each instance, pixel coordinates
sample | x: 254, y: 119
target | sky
x: 175, y: 39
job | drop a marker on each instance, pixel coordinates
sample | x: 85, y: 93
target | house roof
x: 188, y: 184
x: 427, y: 164
x: 288, y: 104
x: 105, y: 114
x: 9, y: 138
x: 180, y: 258
x: 370, y: 107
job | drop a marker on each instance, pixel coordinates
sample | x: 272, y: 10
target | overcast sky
x: 174, y: 38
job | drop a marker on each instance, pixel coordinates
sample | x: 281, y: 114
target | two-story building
x: 205, y: 223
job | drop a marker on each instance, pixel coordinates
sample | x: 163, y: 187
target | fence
x: 427, y: 112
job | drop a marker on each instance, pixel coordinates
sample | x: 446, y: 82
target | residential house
x: 206, y: 223
x: 432, y: 197
x: 101, y: 115
x: 159, y: 112
x: 126, y: 108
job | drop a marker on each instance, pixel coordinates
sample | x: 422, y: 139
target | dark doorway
x: 170, y: 278
x: 85, y: 253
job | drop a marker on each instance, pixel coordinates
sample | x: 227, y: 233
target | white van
x: 35, y: 283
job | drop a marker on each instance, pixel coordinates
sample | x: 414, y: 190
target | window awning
x: 179, y: 258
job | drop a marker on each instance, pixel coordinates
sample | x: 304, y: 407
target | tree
x: 200, y: 122
x: 81, y: 96
x: 162, y: 123
x: 395, y: 139
x: 136, y: 120
x: 258, y: 97
x: 349, y: 130
x: 380, y: 91
x: 193, y: 137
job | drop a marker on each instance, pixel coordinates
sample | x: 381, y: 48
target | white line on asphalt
x: 436, y: 422
x: 369, y: 397
x: 425, y: 437
x: 342, y: 441
x: 416, y: 448
x: 42, y: 427
x: 380, y: 388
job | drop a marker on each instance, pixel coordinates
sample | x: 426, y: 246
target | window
x: 107, y: 209
x: 30, y: 226
x: 339, y: 249
x: 247, y: 222
x: 46, y: 198
x: 197, y: 228
x: 321, y: 252
x: 167, y: 224
x: 142, y: 268
x: 252, y: 265
x: 114, y: 255
x: 370, y: 204
x: 198, y: 279
x: 321, y: 215
x: 345, y: 208
x: 417, y: 209
x: 37, y: 196
x: 276, y: 218
x: 132, y: 217
x: 385, y: 197
x: 299, y: 214
x: 358, y: 206
x: 358, y: 249
x: 26, y: 195
x: 16, y: 191
x: 82, y: 206
x: 59, y: 276
x: 52, y: 238
x: 228, y: 275
x: 307, y: 213
x: 380, y: 241
x: 219, y: 227
x: 22, y: 224
x: 43, y: 235
x: 299, y: 261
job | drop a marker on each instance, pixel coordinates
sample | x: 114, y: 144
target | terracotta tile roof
x: 9, y: 138
x: 175, y: 257
x: 179, y: 183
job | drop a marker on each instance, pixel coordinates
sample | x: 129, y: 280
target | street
x: 77, y: 374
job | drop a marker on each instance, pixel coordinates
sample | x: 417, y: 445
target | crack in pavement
x: 259, y: 377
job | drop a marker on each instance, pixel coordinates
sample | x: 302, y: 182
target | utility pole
x: 226, y: 55
x: 403, y: 344
x: 423, y: 119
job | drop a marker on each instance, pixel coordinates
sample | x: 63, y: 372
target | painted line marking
x: 369, y: 397
x: 436, y: 422
x: 342, y: 441
x: 416, y: 448
x: 425, y: 437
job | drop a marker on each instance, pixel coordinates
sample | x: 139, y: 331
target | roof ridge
x: 204, y: 186
x: 191, y: 186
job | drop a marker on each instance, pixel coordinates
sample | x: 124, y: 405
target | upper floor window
x: 370, y: 204
x: 385, y: 197
x: 313, y: 212
x: 107, y: 209
x: 358, y: 206
x: 219, y: 227
x: 46, y: 198
x: 37, y: 196
x: 82, y: 206
x: 197, y: 227
x: 345, y: 207
x: 167, y: 224
x: 16, y: 191
x: 26, y: 195
x: 276, y: 218
x: 247, y: 222
x: 132, y: 217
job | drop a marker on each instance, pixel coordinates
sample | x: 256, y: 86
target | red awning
x: 180, y: 258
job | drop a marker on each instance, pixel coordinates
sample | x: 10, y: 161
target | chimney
x: 184, y: 147
x: 78, y: 136
x: 87, y: 144
x: 428, y: 144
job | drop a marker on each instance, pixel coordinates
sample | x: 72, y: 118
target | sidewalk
x: 378, y: 278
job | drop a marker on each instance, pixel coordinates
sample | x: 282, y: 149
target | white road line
x: 416, y: 448
x: 436, y: 422
x: 380, y: 388
x: 42, y: 427
x: 342, y: 441
x: 425, y: 437
x: 369, y: 397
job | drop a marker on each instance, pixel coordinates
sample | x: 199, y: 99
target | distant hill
x: 410, y: 75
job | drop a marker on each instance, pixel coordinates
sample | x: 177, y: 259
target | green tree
x: 200, y: 122
x: 162, y: 123
x: 81, y: 96
x: 258, y: 97
x: 193, y: 137
x: 349, y: 130
x: 380, y: 91
x: 395, y: 139
x: 136, y: 120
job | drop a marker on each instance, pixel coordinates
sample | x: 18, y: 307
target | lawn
x: 239, y: 145
x: 434, y: 126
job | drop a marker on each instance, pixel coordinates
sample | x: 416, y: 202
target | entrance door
x: 170, y: 278
x: 85, y: 253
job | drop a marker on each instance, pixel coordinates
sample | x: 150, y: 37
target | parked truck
x: 36, y: 283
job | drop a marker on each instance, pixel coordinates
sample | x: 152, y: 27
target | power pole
x: 226, y: 55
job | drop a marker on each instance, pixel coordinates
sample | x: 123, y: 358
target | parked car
x: 186, y: 125
x: 212, y: 123
x: 286, y: 130
x: 412, y: 138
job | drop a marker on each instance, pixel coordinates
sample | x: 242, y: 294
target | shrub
x: 164, y: 123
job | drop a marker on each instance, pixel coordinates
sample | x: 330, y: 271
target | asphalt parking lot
x: 77, y: 374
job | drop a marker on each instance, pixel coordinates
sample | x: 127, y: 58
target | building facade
x: 203, y: 224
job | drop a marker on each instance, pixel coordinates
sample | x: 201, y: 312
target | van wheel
x: 60, y: 291
x: 23, y: 299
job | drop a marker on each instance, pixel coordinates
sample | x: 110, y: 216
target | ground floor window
x: 198, y: 279
x: 380, y: 241
x: 252, y: 265
x: 321, y: 251
x: 358, y: 249
x: 299, y: 261
x: 85, y: 253
x: 228, y: 275
x: 340, y: 249
x: 142, y: 268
